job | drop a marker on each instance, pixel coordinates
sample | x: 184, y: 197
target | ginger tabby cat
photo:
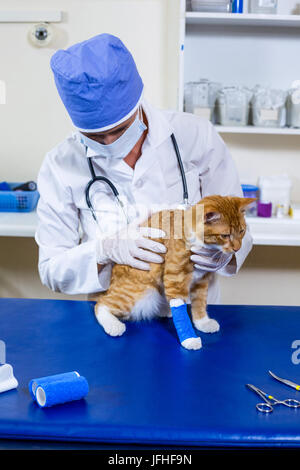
x: 136, y: 294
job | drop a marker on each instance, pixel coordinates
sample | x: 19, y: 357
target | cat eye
x: 225, y: 236
x: 242, y: 231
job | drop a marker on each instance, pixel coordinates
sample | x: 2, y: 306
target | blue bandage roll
x: 183, y: 323
x: 55, y: 391
x: 34, y: 383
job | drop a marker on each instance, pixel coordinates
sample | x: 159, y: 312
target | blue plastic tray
x: 18, y: 201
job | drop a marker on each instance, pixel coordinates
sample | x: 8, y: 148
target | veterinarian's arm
x: 221, y: 177
x: 64, y: 264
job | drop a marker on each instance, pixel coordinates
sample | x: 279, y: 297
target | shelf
x: 30, y: 16
x: 247, y: 19
x: 13, y: 224
x: 257, y: 130
x: 275, y: 232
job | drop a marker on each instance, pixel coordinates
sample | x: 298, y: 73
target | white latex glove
x: 130, y: 247
x: 209, y: 258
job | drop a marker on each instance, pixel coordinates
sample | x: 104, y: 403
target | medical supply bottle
x: 237, y: 6
x: 263, y: 6
x: 251, y: 191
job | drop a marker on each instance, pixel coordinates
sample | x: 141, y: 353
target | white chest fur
x: 151, y: 305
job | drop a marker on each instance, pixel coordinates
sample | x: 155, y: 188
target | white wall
x: 34, y: 120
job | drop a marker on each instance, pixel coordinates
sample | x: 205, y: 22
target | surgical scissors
x: 270, y: 401
x: 287, y: 382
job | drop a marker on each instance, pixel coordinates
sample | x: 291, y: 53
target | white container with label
x: 200, y: 98
x: 266, y: 117
x: 268, y: 108
x: 233, y: 106
x: 277, y: 190
x: 263, y: 6
x: 293, y: 108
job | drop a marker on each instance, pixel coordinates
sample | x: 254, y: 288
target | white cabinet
x: 241, y: 49
x: 14, y: 224
x: 245, y: 49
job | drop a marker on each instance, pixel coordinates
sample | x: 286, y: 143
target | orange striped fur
x: 223, y: 223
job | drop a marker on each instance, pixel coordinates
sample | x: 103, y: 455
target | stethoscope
x: 115, y: 192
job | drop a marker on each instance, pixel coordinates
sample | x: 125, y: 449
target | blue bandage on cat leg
x: 182, y: 321
x: 51, y: 391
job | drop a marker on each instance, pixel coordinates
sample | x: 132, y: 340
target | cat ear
x: 246, y: 201
x: 211, y: 217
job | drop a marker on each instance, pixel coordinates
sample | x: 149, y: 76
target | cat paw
x: 115, y: 328
x: 192, y: 343
x: 207, y: 325
x: 111, y: 325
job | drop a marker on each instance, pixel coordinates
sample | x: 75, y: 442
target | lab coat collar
x: 159, y: 128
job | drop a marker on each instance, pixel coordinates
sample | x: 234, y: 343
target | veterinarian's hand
x: 130, y: 246
x: 209, y: 258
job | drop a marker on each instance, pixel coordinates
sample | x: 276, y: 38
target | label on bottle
x: 203, y: 112
x: 269, y: 114
x: 267, y: 3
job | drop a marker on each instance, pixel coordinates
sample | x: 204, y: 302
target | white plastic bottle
x: 263, y: 6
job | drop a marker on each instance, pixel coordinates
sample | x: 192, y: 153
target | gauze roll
x: 34, y: 383
x: 56, y: 390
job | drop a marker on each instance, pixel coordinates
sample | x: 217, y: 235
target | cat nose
x: 236, y: 247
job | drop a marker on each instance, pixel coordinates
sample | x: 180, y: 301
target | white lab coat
x: 67, y: 261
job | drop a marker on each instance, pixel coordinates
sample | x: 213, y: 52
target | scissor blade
x: 285, y: 381
x: 262, y: 394
x: 256, y: 390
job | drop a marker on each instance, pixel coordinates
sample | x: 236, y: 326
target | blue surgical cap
x: 98, y: 82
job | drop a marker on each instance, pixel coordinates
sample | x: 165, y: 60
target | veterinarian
x: 129, y: 142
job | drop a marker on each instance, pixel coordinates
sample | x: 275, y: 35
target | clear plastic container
x: 218, y: 6
x: 277, y: 190
x: 233, y: 106
x: 293, y: 108
x: 263, y: 6
x: 268, y: 107
x: 200, y: 98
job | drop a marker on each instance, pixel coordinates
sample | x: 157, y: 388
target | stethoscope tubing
x: 182, y: 172
x: 116, y: 192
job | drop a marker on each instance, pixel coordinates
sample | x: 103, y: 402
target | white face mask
x: 121, y: 147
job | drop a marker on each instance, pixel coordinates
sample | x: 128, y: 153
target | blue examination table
x: 145, y: 389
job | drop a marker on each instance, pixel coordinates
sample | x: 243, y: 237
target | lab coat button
x: 139, y: 183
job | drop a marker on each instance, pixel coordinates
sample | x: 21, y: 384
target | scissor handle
x: 291, y: 403
x: 264, y: 407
